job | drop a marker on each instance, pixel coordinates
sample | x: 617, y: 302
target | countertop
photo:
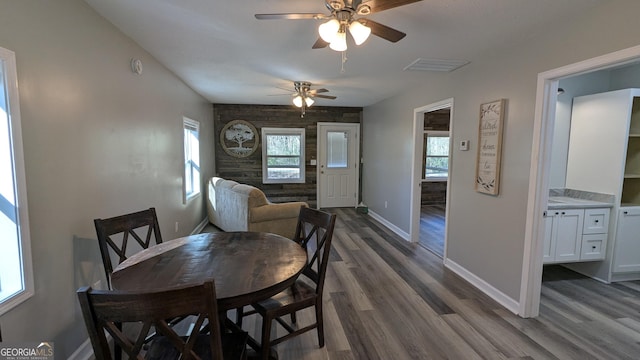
x: 565, y: 202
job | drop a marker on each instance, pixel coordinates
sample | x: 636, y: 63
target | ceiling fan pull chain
x: 344, y: 61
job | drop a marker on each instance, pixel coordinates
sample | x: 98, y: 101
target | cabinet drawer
x: 596, y: 221
x: 593, y: 247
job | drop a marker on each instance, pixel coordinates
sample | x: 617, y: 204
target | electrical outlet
x: 385, y: 204
x: 177, y: 226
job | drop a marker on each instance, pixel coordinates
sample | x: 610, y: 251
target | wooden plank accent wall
x: 249, y: 170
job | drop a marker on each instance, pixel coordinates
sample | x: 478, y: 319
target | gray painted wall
x: 486, y: 233
x: 99, y: 141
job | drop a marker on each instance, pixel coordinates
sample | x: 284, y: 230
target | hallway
x: 432, y: 227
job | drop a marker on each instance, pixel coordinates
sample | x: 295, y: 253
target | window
x: 191, y: 130
x: 16, y: 275
x: 282, y: 155
x: 337, y: 149
x: 436, y: 155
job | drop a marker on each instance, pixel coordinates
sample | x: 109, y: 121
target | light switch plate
x: 313, y: 162
x: 464, y: 145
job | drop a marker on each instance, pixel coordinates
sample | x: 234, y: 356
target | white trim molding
x: 500, y: 297
x: 403, y: 234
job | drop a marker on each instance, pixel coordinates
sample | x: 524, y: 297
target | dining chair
x: 314, y: 232
x: 114, y: 235
x: 104, y: 309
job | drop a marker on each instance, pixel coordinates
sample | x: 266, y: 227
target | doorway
x: 545, y: 112
x: 338, y: 164
x: 430, y: 175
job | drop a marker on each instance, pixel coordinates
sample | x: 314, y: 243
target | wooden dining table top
x: 246, y: 266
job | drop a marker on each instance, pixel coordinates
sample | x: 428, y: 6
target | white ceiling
x: 224, y: 53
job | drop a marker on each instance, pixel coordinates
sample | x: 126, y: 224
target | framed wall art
x: 490, y: 147
x: 239, y: 138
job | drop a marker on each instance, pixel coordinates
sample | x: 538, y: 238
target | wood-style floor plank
x: 388, y: 299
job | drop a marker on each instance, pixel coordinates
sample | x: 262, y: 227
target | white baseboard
x: 200, y: 226
x: 497, y: 295
x: 390, y: 226
x: 84, y: 352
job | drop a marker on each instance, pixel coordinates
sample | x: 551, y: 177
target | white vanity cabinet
x: 626, y: 257
x: 604, y: 157
x: 573, y: 235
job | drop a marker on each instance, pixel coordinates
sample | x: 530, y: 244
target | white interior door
x: 338, y: 165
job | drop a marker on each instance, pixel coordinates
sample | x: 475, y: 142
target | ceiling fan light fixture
x: 309, y: 101
x: 359, y: 32
x: 297, y: 101
x: 329, y: 30
x: 340, y: 42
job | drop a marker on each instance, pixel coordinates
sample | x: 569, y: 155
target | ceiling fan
x: 304, y: 96
x: 344, y: 15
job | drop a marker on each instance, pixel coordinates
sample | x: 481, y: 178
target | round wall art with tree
x: 239, y: 138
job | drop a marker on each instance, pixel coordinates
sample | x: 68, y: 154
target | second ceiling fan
x: 343, y: 17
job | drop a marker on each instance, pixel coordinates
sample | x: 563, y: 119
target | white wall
x: 486, y: 233
x: 576, y: 86
x: 99, y: 141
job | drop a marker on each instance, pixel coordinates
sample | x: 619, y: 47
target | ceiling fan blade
x: 319, y: 44
x: 316, y: 91
x: 324, y: 96
x: 380, y: 5
x: 291, y: 16
x: 383, y: 31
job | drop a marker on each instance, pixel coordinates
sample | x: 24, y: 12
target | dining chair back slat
x: 115, y: 234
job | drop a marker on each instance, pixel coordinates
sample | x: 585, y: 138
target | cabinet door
x: 626, y: 256
x: 549, y: 249
x: 596, y: 221
x: 569, y: 234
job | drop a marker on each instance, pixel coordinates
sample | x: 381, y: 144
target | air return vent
x: 435, y: 65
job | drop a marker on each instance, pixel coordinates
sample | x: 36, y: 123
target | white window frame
x: 283, y: 131
x: 10, y: 84
x: 434, y: 133
x: 189, y: 181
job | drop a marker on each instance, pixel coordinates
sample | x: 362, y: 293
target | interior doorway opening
x: 430, y: 190
x: 541, y: 159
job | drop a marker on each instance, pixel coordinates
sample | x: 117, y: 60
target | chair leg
x: 293, y: 317
x: 117, y: 350
x: 239, y: 316
x: 320, y: 323
x: 266, y: 337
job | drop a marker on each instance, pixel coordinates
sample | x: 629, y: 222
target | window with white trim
x: 191, y: 132
x: 16, y: 273
x: 283, y: 155
x: 436, y: 156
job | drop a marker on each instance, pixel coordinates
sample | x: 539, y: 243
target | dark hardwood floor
x: 386, y: 299
x: 432, y: 224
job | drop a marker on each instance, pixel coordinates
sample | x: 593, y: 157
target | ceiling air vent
x: 435, y: 65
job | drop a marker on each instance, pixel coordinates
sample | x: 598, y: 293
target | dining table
x: 246, y: 267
